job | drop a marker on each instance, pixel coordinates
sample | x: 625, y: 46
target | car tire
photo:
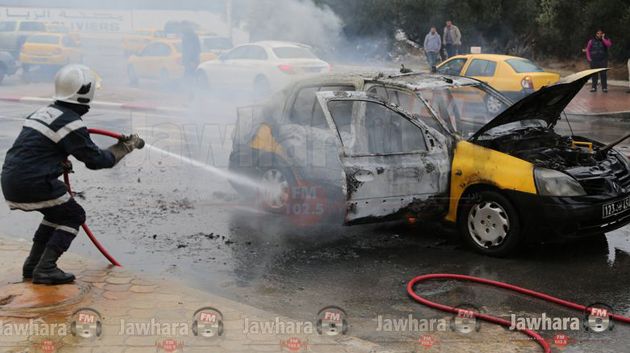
x: 262, y: 88
x: 493, y: 105
x: 132, y: 75
x: 276, y: 185
x: 489, y: 223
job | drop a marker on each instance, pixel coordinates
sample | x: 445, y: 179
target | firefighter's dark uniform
x: 32, y: 167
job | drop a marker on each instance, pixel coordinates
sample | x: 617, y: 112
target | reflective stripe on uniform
x: 31, y: 206
x: 49, y: 224
x: 54, y: 136
x: 60, y: 227
x: 68, y: 229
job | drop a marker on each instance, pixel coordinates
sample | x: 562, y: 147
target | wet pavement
x: 162, y: 217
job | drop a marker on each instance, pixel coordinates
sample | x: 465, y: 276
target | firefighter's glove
x: 125, y: 145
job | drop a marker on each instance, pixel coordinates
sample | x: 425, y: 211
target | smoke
x: 294, y: 20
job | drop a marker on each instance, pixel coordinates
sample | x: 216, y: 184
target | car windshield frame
x: 35, y: 39
x: 456, y: 121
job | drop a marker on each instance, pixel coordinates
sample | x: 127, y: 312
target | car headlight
x: 554, y: 183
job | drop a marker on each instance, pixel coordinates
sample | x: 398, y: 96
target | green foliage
x: 535, y: 28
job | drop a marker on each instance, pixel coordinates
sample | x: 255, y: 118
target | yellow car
x: 135, y: 41
x: 160, y: 59
x: 61, y: 28
x: 513, y: 76
x: 49, y: 49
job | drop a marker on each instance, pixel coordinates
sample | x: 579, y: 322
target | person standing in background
x: 597, y: 56
x: 452, y: 39
x: 628, y: 90
x: 191, y: 51
x: 432, y: 46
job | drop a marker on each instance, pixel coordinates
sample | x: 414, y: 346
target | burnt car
x: 425, y: 146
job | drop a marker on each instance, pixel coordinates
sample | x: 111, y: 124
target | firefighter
x: 33, y: 165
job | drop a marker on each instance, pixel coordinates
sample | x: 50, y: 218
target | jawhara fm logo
x: 86, y: 323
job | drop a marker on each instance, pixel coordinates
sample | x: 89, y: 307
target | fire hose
x: 493, y: 319
x: 411, y: 285
x: 85, y: 227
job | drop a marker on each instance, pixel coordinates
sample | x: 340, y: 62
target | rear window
x: 293, y: 53
x: 481, y: 68
x: 217, y: 43
x: 7, y: 26
x: 43, y: 39
x: 523, y: 65
x: 32, y: 27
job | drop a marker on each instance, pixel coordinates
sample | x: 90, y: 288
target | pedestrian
x: 597, y: 56
x: 628, y: 90
x: 191, y: 51
x: 452, y: 39
x: 432, y: 46
x: 38, y: 157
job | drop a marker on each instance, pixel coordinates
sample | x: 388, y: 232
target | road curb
x: 616, y: 115
x: 139, y: 107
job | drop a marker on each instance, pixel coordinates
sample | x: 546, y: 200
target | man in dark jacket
x: 597, y: 56
x: 191, y: 51
x: 32, y: 167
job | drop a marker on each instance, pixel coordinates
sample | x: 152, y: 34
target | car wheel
x: 262, y: 88
x: 276, y: 184
x: 493, y: 105
x: 489, y: 223
x: 132, y: 75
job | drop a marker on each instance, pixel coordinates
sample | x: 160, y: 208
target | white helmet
x: 75, y: 84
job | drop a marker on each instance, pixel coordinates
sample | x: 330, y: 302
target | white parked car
x: 261, y: 67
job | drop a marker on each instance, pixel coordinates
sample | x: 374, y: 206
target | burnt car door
x: 393, y: 164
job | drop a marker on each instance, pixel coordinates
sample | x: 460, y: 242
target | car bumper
x: 546, y: 217
x: 43, y: 60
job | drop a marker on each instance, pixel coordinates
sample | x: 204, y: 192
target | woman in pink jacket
x: 597, y: 55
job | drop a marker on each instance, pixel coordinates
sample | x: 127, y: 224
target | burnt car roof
x: 413, y: 81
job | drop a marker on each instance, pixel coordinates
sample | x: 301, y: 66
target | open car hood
x: 545, y: 104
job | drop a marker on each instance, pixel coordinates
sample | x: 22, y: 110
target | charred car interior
x: 427, y: 146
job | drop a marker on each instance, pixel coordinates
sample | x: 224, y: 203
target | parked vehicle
x: 213, y: 46
x: 51, y: 50
x: 134, y: 42
x: 159, y: 60
x: 426, y: 146
x: 513, y: 76
x: 261, y: 67
x: 14, y: 33
x: 8, y: 65
x: 61, y: 28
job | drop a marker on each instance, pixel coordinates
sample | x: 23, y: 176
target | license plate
x: 614, y: 208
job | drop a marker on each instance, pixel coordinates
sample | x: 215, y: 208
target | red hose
x: 87, y: 230
x: 539, y: 339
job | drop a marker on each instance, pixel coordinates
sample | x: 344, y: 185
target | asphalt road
x: 163, y: 217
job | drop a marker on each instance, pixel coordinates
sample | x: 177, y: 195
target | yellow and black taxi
x: 161, y: 60
x: 50, y: 49
x: 426, y: 146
